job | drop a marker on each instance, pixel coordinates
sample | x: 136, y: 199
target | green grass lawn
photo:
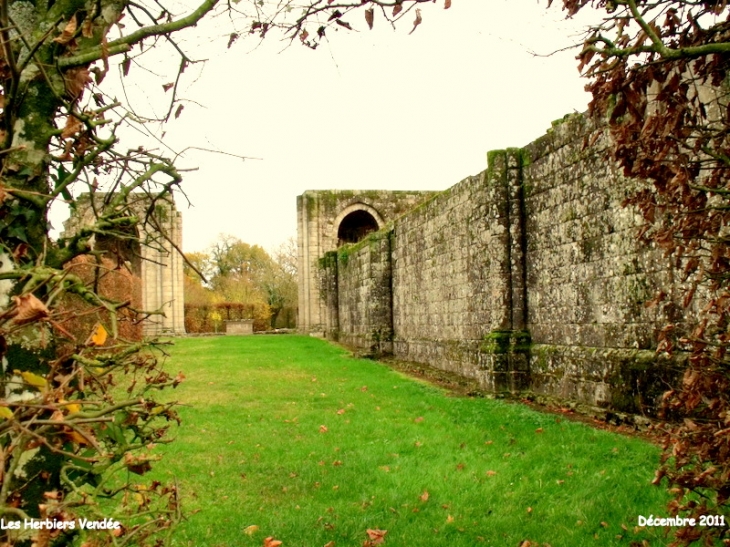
x: 287, y: 436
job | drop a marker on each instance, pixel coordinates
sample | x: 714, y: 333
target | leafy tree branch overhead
x: 658, y: 73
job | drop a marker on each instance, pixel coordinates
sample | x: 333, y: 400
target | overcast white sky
x: 377, y: 109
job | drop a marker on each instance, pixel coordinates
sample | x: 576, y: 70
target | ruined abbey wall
x: 527, y: 276
x: 163, y: 277
x: 319, y: 216
x: 155, y: 259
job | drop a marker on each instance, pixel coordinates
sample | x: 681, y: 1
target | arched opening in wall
x: 356, y: 226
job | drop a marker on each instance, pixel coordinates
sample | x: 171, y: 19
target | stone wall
x: 240, y: 327
x: 588, y: 277
x: 153, y: 258
x: 527, y: 276
x: 319, y: 215
x: 163, y: 277
x: 364, y: 280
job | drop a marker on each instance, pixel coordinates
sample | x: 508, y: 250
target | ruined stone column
x: 505, y: 349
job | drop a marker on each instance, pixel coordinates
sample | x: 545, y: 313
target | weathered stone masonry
x: 526, y: 276
x: 158, y: 263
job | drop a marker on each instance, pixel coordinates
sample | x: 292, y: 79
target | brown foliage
x: 111, y: 281
x: 659, y: 78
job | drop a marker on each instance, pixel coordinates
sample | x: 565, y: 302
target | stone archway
x: 355, y: 222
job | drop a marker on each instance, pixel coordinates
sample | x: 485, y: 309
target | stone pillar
x: 309, y: 250
x: 329, y: 294
x: 162, y: 271
x: 504, y: 352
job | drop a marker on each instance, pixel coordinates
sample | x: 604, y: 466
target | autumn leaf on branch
x: 418, y: 20
x: 98, y: 336
x: 369, y: 16
x: 68, y: 32
x: 32, y: 379
x: 72, y: 127
x: 28, y: 309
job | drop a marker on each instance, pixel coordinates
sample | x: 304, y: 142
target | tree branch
x: 124, y: 44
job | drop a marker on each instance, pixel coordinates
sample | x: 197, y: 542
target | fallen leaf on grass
x: 419, y: 419
x: 250, y: 530
x: 491, y: 473
x: 329, y: 544
x: 271, y: 542
x: 539, y: 430
x: 425, y: 495
x: 323, y: 429
x: 341, y: 411
x: 377, y: 537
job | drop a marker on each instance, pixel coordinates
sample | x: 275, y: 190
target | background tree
x: 76, y: 415
x: 239, y: 273
x: 280, y: 281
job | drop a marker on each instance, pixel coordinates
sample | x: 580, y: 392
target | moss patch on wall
x: 500, y: 342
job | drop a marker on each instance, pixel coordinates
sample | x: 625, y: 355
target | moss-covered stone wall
x: 589, y: 278
x: 364, y: 282
x: 527, y: 276
x: 319, y: 214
